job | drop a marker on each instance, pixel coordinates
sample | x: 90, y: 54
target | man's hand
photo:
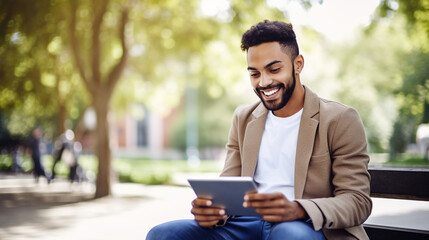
x: 205, y: 214
x: 274, y: 207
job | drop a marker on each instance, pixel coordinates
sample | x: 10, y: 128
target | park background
x: 149, y: 87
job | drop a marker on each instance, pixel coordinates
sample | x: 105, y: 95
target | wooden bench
x: 398, y: 183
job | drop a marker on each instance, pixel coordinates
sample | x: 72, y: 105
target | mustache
x: 278, y: 85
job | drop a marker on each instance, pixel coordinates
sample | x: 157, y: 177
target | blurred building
x: 142, y: 136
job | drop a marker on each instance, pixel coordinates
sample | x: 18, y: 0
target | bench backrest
x: 400, y: 183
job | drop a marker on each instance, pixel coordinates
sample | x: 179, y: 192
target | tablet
x: 226, y: 192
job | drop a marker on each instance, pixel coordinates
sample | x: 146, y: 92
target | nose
x: 265, y: 80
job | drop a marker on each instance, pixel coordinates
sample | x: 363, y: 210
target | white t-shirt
x: 275, y: 170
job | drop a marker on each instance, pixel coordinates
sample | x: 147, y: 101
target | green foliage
x: 416, y: 13
x: 403, y: 134
x: 366, y: 74
x: 415, y: 88
x: 5, y: 162
x: 36, y: 69
x: 413, y: 94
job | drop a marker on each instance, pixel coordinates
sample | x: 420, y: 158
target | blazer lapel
x: 306, y: 136
x: 252, y: 140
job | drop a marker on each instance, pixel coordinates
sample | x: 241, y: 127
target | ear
x: 299, y: 64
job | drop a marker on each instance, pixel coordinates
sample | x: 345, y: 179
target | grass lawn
x: 135, y: 170
x: 414, y: 161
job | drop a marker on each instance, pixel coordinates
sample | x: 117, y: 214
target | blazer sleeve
x: 350, y: 203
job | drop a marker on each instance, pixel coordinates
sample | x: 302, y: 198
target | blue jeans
x: 246, y: 228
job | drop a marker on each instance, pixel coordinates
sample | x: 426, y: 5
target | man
x: 68, y: 150
x: 307, y: 155
x: 34, y: 146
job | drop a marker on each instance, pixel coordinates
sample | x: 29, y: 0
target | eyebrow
x: 266, y: 66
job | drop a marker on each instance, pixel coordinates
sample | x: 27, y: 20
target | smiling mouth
x: 269, y: 93
x: 270, y: 90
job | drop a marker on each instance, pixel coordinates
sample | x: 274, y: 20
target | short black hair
x: 271, y: 31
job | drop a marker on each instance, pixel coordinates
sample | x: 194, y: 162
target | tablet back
x: 226, y: 192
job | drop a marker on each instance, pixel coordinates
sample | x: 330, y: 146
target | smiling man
x: 306, y: 154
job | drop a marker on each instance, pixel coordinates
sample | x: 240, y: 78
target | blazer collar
x: 252, y: 140
x: 307, y: 132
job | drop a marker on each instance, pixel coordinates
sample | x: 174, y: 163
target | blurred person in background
x: 16, y: 154
x: 66, y: 149
x: 35, y: 148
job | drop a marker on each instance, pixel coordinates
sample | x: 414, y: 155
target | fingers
x: 201, y: 202
x: 208, y: 223
x: 271, y: 200
x: 209, y: 220
x: 273, y: 207
x: 263, y: 196
x: 208, y: 211
x: 207, y: 217
x: 271, y: 211
x: 280, y: 203
x: 205, y: 214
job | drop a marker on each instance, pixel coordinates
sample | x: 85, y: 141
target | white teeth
x: 270, y: 92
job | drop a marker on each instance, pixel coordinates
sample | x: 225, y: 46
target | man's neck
x: 295, y: 103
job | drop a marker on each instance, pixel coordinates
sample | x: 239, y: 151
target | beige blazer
x: 331, y: 169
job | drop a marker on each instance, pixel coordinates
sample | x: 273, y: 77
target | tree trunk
x: 101, y: 91
x: 101, y: 105
x: 62, y: 115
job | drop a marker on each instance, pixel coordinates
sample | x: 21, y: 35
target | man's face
x: 37, y: 132
x: 271, y: 74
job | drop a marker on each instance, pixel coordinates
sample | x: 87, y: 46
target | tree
x: 99, y: 35
x: 413, y: 93
x: 99, y: 87
x: 170, y: 21
x: 415, y: 86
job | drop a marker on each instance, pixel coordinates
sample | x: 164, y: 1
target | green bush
x: 5, y: 162
x: 156, y: 172
x: 150, y: 178
x: 403, y: 133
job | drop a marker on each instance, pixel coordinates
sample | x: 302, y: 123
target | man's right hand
x: 205, y: 214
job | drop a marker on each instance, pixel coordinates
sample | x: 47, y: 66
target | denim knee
x: 156, y: 233
x: 177, y: 230
x: 295, y: 230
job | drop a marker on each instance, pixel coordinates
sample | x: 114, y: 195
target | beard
x: 274, y: 105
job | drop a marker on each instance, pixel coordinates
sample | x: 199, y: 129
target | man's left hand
x: 274, y: 207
